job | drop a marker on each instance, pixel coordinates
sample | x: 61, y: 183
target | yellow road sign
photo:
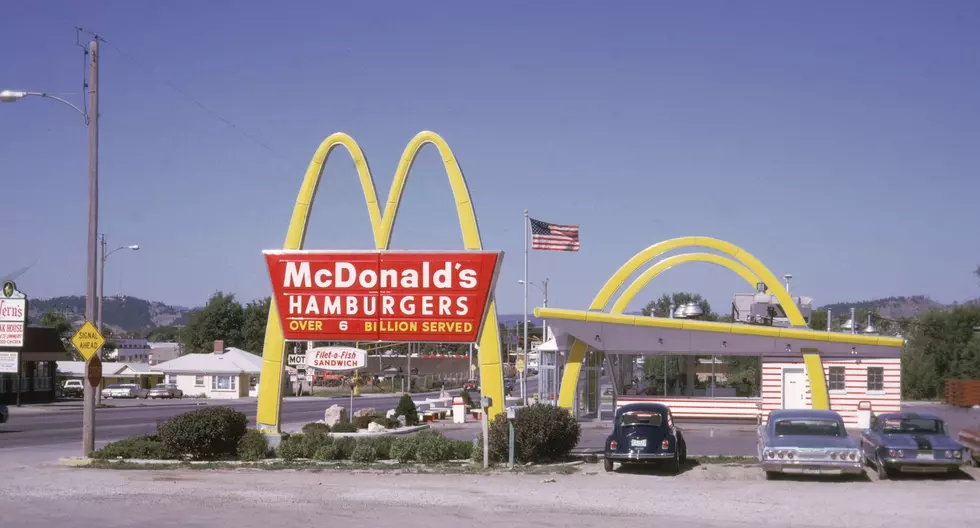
x: 87, y: 340
x: 519, y: 365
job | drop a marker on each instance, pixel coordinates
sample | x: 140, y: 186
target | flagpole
x: 523, y: 372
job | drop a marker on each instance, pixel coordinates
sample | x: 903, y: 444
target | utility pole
x: 88, y: 412
x: 98, y: 322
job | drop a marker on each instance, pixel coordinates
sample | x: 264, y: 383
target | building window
x: 835, y: 379
x: 253, y: 381
x: 171, y: 379
x: 876, y: 379
x: 223, y: 383
x: 198, y: 381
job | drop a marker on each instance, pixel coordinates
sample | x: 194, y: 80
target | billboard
x: 13, y: 316
x: 336, y: 358
x: 407, y: 296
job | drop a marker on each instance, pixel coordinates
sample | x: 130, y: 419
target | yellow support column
x: 818, y: 382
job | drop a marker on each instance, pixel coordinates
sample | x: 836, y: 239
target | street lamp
x: 92, y: 120
x: 105, y: 256
x: 544, y: 289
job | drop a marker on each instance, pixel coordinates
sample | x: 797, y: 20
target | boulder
x: 375, y: 427
x: 401, y: 421
x: 334, y: 415
x: 390, y: 413
x: 365, y: 412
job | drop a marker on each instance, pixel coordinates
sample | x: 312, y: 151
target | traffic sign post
x: 88, y: 341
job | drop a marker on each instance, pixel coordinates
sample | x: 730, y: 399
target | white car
x: 124, y: 390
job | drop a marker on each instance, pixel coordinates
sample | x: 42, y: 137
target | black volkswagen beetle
x: 645, y: 433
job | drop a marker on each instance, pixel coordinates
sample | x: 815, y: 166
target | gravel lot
x: 707, y: 496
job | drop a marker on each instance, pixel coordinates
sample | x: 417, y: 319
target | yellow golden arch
x: 491, y: 375
x: 743, y: 263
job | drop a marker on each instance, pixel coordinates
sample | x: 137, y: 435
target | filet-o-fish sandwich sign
x: 383, y: 295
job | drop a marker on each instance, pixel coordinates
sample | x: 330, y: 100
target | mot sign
x: 399, y: 296
x: 13, y: 316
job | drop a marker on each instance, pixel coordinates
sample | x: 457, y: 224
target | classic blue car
x: 645, y: 433
x: 807, y: 442
x: 911, y: 442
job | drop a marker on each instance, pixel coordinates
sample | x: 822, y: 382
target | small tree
x: 406, y: 407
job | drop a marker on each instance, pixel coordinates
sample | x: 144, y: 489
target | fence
x: 962, y: 393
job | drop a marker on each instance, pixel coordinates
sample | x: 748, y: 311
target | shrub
x: 292, y: 447
x: 345, y: 447
x: 467, y: 400
x: 403, y: 449
x: 141, y: 447
x: 253, y: 446
x: 541, y: 433
x: 462, y: 450
x: 316, y: 428
x: 431, y: 448
x: 204, y: 433
x: 314, y: 441
x: 345, y: 427
x: 382, y: 445
x: 364, y: 452
x: 406, y: 408
x: 363, y: 421
x: 326, y: 452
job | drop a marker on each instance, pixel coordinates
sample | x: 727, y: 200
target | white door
x: 794, y: 389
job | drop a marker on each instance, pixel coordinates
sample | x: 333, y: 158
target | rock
x: 401, y: 421
x: 335, y: 414
x: 365, y: 412
x: 375, y: 427
x: 390, y: 413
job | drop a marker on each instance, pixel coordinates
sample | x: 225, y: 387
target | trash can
x: 864, y: 415
x: 459, y: 410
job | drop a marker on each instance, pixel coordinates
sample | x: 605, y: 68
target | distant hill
x: 121, y: 313
x: 893, y: 307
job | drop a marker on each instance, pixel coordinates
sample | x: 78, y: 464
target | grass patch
x: 338, y: 466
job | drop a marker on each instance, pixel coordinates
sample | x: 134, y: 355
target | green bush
x: 467, y: 400
x: 345, y: 447
x: 292, y: 447
x: 388, y: 423
x: 541, y: 433
x: 406, y: 407
x: 314, y: 441
x: 345, y: 427
x: 403, y: 449
x: 462, y: 450
x: 204, y: 433
x: 432, y: 447
x: 382, y: 445
x: 316, y: 428
x: 363, y: 421
x: 364, y: 452
x: 253, y: 446
x: 326, y: 452
x: 137, y: 447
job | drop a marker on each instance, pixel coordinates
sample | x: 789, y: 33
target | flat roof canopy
x: 638, y: 334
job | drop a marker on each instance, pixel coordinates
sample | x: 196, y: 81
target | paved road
x: 58, y: 426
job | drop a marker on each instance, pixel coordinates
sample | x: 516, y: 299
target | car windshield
x: 912, y: 425
x: 808, y: 427
x: 633, y: 418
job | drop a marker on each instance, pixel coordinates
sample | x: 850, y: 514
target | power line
x: 214, y: 114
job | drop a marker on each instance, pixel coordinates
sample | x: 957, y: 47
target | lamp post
x: 105, y: 256
x: 92, y: 120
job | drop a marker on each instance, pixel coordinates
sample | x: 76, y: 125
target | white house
x: 226, y: 373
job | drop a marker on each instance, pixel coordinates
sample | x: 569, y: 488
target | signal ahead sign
x: 87, y: 340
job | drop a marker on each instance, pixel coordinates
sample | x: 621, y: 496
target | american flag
x: 553, y: 237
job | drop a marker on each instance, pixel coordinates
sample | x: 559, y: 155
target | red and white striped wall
x: 844, y: 402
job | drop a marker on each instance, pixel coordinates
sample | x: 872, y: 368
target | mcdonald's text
x: 382, y: 295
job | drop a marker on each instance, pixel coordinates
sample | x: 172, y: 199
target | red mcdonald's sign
x: 382, y: 295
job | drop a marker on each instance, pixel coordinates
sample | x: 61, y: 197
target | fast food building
x: 715, y: 370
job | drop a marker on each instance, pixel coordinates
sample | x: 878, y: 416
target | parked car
x: 645, y: 433
x: 913, y: 443
x: 4, y: 413
x: 72, y: 388
x: 125, y: 390
x: 807, y: 442
x: 162, y: 390
x: 470, y: 386
x: 970, y: 438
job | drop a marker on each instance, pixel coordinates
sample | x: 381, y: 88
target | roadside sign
x: 472, y: 368
x: 294, y: 360
x: 519, y: 365
x: 9, y: 362
x: 13, y: 316
x: 87, y: 340
x: 94, y: 371
x: 336, y: 358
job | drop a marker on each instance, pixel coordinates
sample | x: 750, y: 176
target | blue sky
x: 833, y: 140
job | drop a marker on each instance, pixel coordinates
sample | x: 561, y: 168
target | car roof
x: 802, y: 414
x: 643, y: 406
x: 912, y: 415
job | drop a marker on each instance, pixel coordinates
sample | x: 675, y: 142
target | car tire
x: 682, y: 450
x: 883, y: 473
x: 674, y: 466
x: 607, y: 464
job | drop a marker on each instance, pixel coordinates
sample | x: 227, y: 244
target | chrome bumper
x: 915, y: 465
x: 814, y: 467
x: 639, y: 457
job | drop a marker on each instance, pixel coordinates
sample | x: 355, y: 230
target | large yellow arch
x: 382, y: 224
x: 573, y: 367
